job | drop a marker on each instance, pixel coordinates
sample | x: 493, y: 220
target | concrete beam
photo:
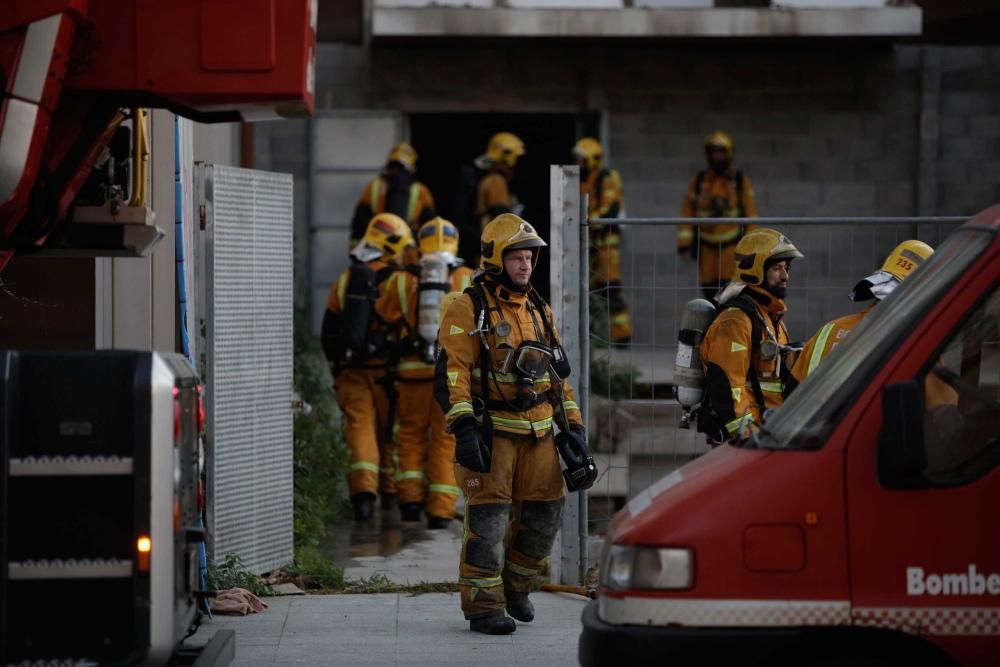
x: 741, y: 22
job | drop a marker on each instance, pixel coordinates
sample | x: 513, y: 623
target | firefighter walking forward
x: 356, y: 343
x: 720, y: 191
x: 498, y: 378
x: 425, y: 479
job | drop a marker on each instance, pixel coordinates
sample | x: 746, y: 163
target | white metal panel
x: 337, y: 194
x: 348, y: 149
x: 249, y: 354
x: 354, y: 141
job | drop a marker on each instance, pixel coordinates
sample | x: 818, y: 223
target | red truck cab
x: 859, y: 526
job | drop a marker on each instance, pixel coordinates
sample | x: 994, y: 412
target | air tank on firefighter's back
x: 434, y: 285
x: 689, y: 378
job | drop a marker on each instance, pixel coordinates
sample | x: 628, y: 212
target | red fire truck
x: 859, y: 526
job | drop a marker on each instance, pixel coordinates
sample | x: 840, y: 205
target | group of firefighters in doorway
x: 452, y: 379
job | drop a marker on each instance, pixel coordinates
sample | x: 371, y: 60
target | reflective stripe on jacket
x: 728, y: 353
x: 462, y: 361
x: 827, y: 338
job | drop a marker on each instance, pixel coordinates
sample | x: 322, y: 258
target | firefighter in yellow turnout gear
x: 497, y: 377
x: 493, y: 194
x: 721, y: 191
x: 900, y: 263
x: 396, y: 191
x: 425, y: 479
x: 356, y: 345
x: 745, y: 364
x: 606, y: 200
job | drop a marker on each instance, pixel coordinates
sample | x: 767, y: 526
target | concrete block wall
x: 822, y: 128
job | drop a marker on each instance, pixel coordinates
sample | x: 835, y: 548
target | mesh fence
x: 632, y: 416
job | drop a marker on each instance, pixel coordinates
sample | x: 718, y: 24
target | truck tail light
x: 177, y: 417
x: 144, y: 546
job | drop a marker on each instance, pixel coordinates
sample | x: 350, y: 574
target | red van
x: 860, y: 526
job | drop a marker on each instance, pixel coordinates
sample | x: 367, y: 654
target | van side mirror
x: 902, y: 456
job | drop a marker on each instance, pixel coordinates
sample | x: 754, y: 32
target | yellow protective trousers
x: 365, y: 406
x: 512, y: 515
x: 606, y: 273
x: 426, y: 451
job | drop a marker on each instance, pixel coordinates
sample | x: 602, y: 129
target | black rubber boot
x: 437, y: 522
x: 364, y: 504
x: 388, y: 501
x: 411, y: 511
x: 520, y: 607
x: 492, y: 623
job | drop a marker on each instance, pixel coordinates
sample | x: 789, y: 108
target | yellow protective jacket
x: 333, y: 319
x: 730, y: 357
x: 398, y: 306
x: 604, y: 187
x: 419, y: 206
x: 493, y: 197
x: 717, y: 243
x: 820, y: 345
x: 459, y: 369
x: 936, y: 392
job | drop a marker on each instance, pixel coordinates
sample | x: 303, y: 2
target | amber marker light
x: 145, y: 545
x: 812, y: 518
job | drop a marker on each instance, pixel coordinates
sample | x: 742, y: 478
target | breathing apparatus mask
x: 529, y: 363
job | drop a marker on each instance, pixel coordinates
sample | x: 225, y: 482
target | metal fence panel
x: 632, y: 417
x: 248, y: 364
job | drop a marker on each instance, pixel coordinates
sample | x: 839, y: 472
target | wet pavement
x: 404, y: 552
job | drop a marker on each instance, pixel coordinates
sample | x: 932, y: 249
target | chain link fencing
x: 632, y: 416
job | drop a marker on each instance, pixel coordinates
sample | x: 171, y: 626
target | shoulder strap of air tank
x: 739, y: 194
x: 540, y: 304
x: 747, y: 305
x: 479, y: 305
x: 698, y: 182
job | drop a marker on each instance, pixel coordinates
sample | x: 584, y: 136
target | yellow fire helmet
x: 405, y: 155
x: 756, y: 249
x: 387, y: 235
x: 504, y: 148
x: 719, y: 139
x: 438, y: 235
x: 590, y: 151
x: 506, y: 232
x: 901, y: 262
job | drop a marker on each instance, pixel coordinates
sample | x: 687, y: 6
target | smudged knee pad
x: 540, y: 520
x: 487, y: 527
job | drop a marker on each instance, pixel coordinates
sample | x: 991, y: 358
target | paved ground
x: 392, y: 629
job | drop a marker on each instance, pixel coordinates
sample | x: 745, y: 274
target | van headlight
x: 647, y: 568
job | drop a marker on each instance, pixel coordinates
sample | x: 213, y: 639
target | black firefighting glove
x: 581, y: 471
x: 470, y: 450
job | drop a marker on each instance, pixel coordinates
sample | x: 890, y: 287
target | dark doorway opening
x: 446, y: 142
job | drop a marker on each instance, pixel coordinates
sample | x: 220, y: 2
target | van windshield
x: 807, y: 417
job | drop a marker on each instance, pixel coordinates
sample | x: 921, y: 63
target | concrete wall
x: 828, y: 127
